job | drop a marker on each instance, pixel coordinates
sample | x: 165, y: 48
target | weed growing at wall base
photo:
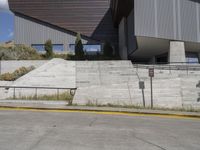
x: 66, y: 96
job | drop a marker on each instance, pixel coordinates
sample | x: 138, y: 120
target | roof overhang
x: 120, y: 9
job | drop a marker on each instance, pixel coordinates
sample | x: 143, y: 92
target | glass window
x: 87, y: 48
x: 41, y: 47
x: 92, y: 48
x: 58, y: 47
x: 38, y: 47
x: 192, y: 58
x: 72, y: 47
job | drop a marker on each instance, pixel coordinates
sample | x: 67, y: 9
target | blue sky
x: 6, y: 26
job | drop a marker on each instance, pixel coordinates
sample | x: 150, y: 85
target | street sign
x: 141, y: 85
x: 151, y: 72
x: 151, y: 75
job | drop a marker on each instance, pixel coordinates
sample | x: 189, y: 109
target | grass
x: 54, y: 97
x: 18, y: 52
x: 24, y: 52
x: 91, y: 104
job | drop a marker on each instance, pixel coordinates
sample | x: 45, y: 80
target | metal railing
x: 179, y: 66
x: 72, y: 90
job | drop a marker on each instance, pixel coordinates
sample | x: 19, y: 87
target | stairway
x: 57, y: 73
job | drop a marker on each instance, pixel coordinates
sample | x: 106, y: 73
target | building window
x: 88, y: 48
x: 41, y: 47
x: 38, y: 47
x: 58, y: 47
x: 192, y: 58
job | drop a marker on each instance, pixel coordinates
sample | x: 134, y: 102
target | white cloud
x: 4, y: 7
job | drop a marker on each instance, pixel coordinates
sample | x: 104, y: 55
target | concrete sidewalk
x: 62, y: 105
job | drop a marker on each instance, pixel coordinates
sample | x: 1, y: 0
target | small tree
x: 107, y: 50
x: 79, y: 48
x: 49, y: 49
x: 2, y: 55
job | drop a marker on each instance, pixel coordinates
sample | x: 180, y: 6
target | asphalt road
x: 32, y: 130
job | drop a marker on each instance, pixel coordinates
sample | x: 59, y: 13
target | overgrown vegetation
x: 22, y: 52
x: 19, y: 52
x: 96, y: 104
x: 79, y: 53
x: 66, y: 96
x: 49, y: 49
x: 16, y: 74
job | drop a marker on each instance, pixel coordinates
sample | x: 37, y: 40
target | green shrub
x: 19, y: 52
x: 107, y: 50
x: 16, y: 74
x: 79, y: 53
x: 49, y: 49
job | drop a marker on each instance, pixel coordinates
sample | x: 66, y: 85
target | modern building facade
x: 141, y: 30
x: 60, y: 20
x: 158, y: 30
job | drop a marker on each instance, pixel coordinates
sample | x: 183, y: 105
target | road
x: 46, y: 130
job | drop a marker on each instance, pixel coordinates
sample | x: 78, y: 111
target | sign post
x: 151, y: 75
x: 142, y: 87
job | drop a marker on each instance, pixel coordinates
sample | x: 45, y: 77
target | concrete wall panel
x: 123, y: 39
x: 132, y: 44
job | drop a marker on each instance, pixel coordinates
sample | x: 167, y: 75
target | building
x: 59, y: 20
x: 158, y: 30
x: 142, y: 30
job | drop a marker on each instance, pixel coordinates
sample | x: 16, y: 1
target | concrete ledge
x: 103, y: 110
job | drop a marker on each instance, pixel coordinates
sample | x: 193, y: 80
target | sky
x: 6, y: 22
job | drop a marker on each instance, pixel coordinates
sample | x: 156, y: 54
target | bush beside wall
x: 16, y: 74
x: 49, y: 49
x: 19, y: 52
x: 79, y: 53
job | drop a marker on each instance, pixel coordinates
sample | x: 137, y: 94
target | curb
x: 114, y: 112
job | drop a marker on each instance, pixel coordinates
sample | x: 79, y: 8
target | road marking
x: 171, y: 116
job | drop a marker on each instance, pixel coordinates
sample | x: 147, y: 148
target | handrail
x: 72, y: 90
x: 187, y: 67
x: 38, y: 87
x: 163, y: 63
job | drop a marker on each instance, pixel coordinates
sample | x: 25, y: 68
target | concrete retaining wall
x: 3, y: 91
x: 114, y: 82
x: 12, y: 65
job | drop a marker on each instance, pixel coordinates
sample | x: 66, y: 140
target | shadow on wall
x: 105, y: 31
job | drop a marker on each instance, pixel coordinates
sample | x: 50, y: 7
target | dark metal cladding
x: 120, y: 8
x: 91, y: 18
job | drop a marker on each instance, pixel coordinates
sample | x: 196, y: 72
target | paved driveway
x: 31, y: 130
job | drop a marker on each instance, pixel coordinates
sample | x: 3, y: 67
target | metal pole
x: 35, y: 93
x: 143, y: 98
x: 14, y: 94
x: 57, y: 94
x: 151, y: 93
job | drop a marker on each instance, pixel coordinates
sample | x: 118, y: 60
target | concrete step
x: 55, y: 73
